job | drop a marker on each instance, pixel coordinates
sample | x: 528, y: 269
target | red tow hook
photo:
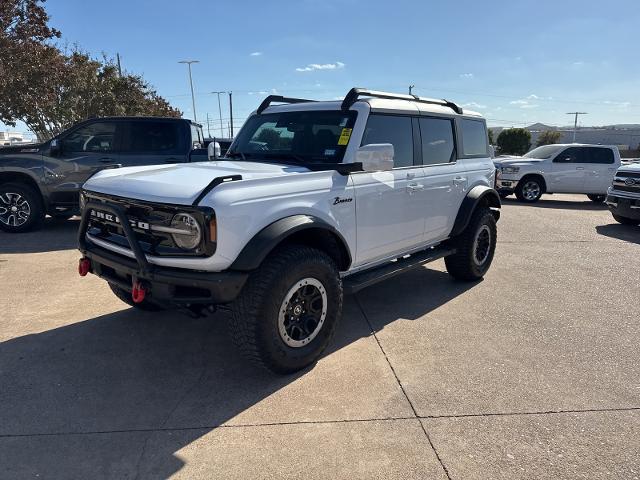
x: 84, y: 266
x: 138, y: 292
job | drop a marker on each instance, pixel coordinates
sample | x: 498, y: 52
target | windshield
x: 546, y: 151
x: 295, y: 137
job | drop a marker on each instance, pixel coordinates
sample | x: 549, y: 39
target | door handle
x: 579, y: 168
x: 459, y: 180
x: 415, y: 187
x: 410, y: 175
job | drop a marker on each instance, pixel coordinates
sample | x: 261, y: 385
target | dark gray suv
x: 41, y: 179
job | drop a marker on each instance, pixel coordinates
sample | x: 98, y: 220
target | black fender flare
x: 257, y: 249
x: 478, y: 195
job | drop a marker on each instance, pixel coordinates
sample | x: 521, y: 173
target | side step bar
x: 357, y: 281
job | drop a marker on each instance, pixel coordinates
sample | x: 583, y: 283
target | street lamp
x: 220, y: 112
x: 193, y: 99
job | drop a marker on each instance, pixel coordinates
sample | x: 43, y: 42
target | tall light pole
x: 575, y: 122
x: 231, y: 114
x: 193, y: 98
x: 220, y: 113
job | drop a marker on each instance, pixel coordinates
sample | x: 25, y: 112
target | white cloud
x: 578, y: 64
x: 255, y: 54
x: 533, y: 97
x: 617, y: 104
x: 518, y: 102
x: 321, y: 66
x: 529, y: 105
x: 475, y: 105
x: 466, y: 75
x: 526, y: 102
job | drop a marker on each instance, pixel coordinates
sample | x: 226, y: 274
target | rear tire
x: 504, y: 195
x: 288, y: 311
x: 529, y: 189
x: 625, y: 220
x: 596, y: 198
x: 475, y: 247
x: 125, y: 296
x: 21, y: 208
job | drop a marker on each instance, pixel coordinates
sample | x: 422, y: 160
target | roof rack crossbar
x: 355, y: 93
x: 279, y: 98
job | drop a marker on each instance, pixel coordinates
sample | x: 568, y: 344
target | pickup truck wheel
x: 287, y: 312
x: 125, y: 296
x: 21, y: 208
x: 529, y: 190
x: 596, y: 198
x: 474, y: 247
x: 625, y: 220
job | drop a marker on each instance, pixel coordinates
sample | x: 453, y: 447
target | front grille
x: 627, y: 182
x: 144, y: 218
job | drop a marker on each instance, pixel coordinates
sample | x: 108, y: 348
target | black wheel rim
x: 302, y: 312
x: 14, y: 209
x: 482, y: 245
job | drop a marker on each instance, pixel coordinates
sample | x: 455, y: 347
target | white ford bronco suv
x: 311, y: 200
x: 568, y: 168
x: 623, y: 197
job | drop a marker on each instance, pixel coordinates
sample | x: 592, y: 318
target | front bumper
x: 624, y: 205
x: 171, y: 287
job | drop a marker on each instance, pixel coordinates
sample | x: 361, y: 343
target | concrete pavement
x: 532, y: 373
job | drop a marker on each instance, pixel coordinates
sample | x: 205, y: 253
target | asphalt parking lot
x: 532, y: 373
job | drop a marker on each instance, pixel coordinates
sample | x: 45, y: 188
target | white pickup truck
x: 568, y: 168
x: 312, y: 199
x: 623, y: 197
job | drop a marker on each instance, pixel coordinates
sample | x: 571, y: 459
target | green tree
x: 490, y: 135
x: 514, y: 141
x: 548, y: 137
x: 48, y: 89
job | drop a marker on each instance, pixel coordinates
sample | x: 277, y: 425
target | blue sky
x: 517, y: 62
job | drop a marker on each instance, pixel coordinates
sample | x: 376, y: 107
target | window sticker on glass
x: 329, y: 152
x: 344, y: 121
x: 344, y: 136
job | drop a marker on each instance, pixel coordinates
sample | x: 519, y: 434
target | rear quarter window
x: 474, y: 137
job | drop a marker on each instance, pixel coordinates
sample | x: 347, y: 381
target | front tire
x: 125, y: 296
x: 596, y: 198
x: 288, y: 311
x: 21, y: 208
x: 529, y: 190
x: 625, y: 220
x: 475, y: 247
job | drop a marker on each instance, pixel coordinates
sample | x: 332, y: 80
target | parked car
x: 568, y: 168
x: 312, y: 199
x: 623, y: 197
x: 45, y: 178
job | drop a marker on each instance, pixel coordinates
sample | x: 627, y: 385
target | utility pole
x: 575, y: 122
x: 208, y: 126
x: 193, y: 98
x: 411, y: 87
x: 220, y: 113
x: 119, y: 67
x: 231, y: 112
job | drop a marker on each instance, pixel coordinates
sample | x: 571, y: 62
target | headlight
x: 510, y: 169
x: 190, y: 234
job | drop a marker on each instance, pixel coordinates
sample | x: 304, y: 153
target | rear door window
x: 438, y: 145
x: 474, y: 137
x: 153, y: 137
x: 393, y: 129
x: 601, y: 155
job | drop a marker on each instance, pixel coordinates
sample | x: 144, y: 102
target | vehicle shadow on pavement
x: 628, y: 233
x: 546, y: 202
x: 128, y: 390
x: 56, y: 234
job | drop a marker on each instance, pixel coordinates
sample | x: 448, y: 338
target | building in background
x: 11, y: 138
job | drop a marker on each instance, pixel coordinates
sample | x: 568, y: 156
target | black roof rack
x: 279, y: 98
x: 355, y: 93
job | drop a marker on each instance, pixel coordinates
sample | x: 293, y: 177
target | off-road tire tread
x: 245, y: 312
x: 459, y: 265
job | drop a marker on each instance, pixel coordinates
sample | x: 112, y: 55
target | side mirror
x: 54, y: 147
x: 214, y: 151
x: 375, y: 157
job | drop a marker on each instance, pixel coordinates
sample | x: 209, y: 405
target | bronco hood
x: 178, y: 183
